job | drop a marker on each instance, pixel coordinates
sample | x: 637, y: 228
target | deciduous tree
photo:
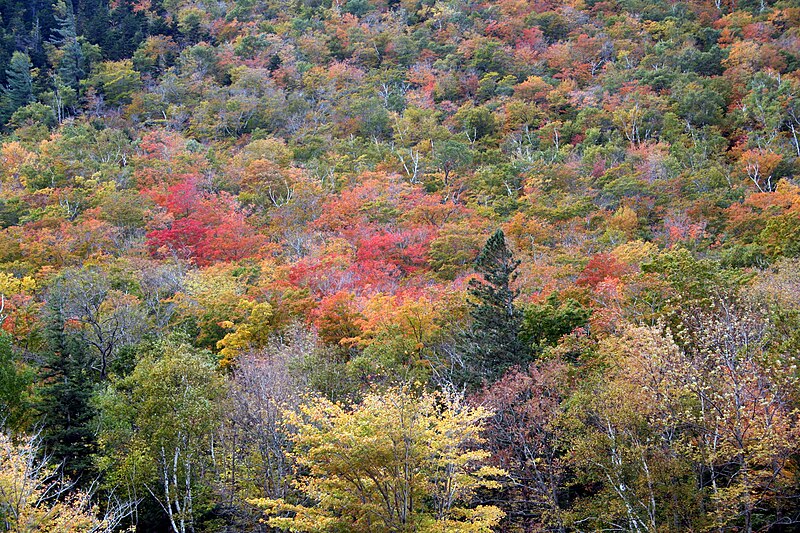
x: 395, y: 462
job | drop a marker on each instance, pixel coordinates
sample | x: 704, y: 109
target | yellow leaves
x: 214, y: 280
x: 661, y: 30
x: 779, y: 285
x: 635, y: 252
x: 528, y: 232
x: 396, y: 462
x: 254, y: 332
x: 217, y: 296
x: 481, y: 519
x: 271, y: 148
x: 625, y: 220
x: 117, y: 301
x: 33, y: 498
x: 9, y: 284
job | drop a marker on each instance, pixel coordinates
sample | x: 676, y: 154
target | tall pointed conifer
x: 19, y: 84
x: 493, y: 343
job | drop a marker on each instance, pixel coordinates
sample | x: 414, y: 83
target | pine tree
x: 71, y: 66
x: 493, y: 344
x: 19, y: 86
x: 65, y: 405
x: 14, y: 382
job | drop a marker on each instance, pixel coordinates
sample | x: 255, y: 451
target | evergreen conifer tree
x: 65, y: 404
x: 19, y: 84
x: 493, y: 343
x: 71, y: 65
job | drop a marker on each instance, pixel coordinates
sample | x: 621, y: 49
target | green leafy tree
x: 779, y: 237
x: 62, y: 98
x: 157, y: 426
x: 543, y: 324
x: 451, y: 156
x: 477, y: 122
x: 33, y: 114
x: 117, y: 80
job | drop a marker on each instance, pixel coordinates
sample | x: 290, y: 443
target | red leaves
x: 405, y: 250
x: 203, y: 227
x: 380, y: 261
x: 601, y: 267
x: 386, y: 227
x: 182, y: 197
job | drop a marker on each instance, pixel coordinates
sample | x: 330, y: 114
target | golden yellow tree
x: 35, y: 499
x: 397, y: 462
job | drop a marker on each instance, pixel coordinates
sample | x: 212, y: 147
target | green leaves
x: 543, y: 324
x: 157, y: 427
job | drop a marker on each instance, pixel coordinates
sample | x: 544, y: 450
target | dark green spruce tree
x: 65, y: 408
x: 492, y: 342
x: 18, y: 91
x: 70, y: 68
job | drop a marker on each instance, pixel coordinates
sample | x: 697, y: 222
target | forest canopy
x: 399, y: 265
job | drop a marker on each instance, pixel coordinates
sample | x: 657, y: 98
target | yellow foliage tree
x: 35, y: 499
x: 624, y: 220
x: 253, y: 332
x: 9, y: 284
x: 397, y: 462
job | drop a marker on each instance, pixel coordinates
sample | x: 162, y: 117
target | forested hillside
x: 399, y: 266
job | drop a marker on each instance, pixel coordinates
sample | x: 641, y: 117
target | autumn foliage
x: 389, y: 265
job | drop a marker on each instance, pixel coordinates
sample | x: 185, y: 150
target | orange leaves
x: 372, y: 201
x: 533, y: 89
x: 60, y: 243
x: 680, y: 228
x: 748, y: 57
x: 142, y: 6
x: 746, y: 219
x: 579, y: 59
x: 163, y: 159
x: 12, y: 158
x: 337, y: 320
x: 759, y: 166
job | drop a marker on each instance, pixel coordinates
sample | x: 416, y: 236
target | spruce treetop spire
x: 492, y: 343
